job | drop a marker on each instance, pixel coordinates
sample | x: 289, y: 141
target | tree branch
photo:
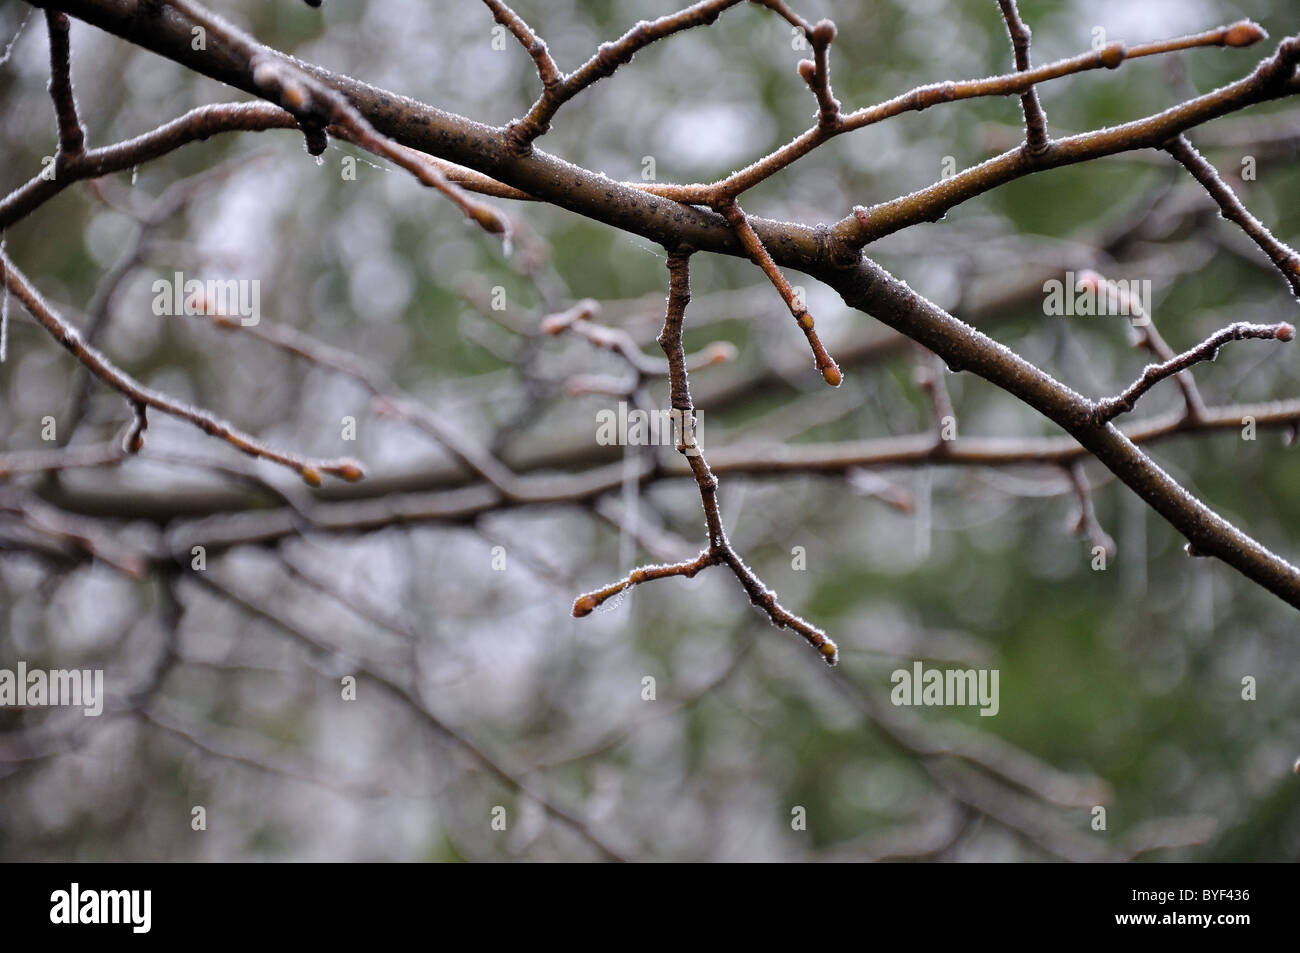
x: 196, y: 125
x: 831, y: 255
x: 1281, y: 254
x: 140, y: 396
x: 72, y: 137
x: 1207, y: 350
x: 719, y: 551
x: 1035, y: 118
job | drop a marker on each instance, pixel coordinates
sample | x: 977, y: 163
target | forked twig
x: 719, y: 551
x: 1035, y: 118
x: 1111, y: 407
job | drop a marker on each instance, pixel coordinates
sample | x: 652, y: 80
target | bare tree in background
x: 212, y: 539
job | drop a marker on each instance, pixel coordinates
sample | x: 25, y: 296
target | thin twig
x: 196, y: 125
x: 754, y: 246
x: 577, y: 321
x: 72, y: 136
x: 315, y: 105
x: 1035, y: 118
x: 816, y: 72
x: 1207, y: 350
x: 719, y: 550
x: 923, y: 97
x: 141, y: 396
x: 547, y: 71
x: 1281, y: 254
x: 929, y: 376
x: 1149, y: 337
x: 1272, y: 78
x: 1086, y: 522
x: 557, y: 89
x: 473, y: 457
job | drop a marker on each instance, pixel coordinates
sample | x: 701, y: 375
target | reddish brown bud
x: 310, y: 476
x: 808, y: 70
x: 823, y: 32
x: 583, y: 606
x: 1244, y: 33
x: 1285, y: 332
x: 489, y: 219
